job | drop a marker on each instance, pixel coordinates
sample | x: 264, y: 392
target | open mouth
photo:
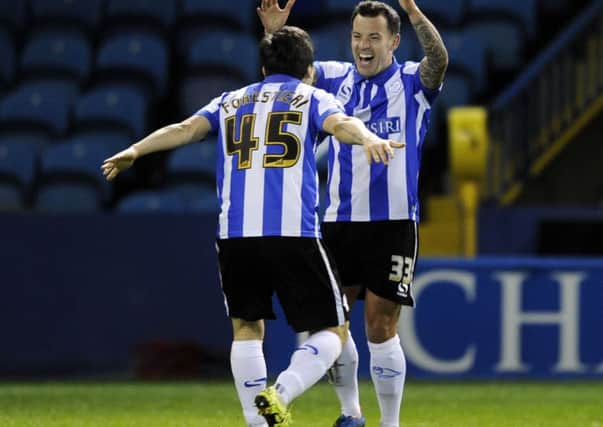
x: 365, y: 59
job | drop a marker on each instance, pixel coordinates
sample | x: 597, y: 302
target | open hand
x: 274, y: 17
x: 112, y: 166
x: 381, y: 150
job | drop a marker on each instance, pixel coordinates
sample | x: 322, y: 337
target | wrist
x: 414, y: 15
x: 135, y: 152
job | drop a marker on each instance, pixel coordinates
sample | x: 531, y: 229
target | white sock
x: 249, y: 372
x: 388, y: 371
x: 309, y: 363
x: 345, y: 379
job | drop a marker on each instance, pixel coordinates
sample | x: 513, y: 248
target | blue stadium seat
x: 146, y: 202
x: 227, y: 14
x: 522, y: 12
x: 12, y: 15
x: 205, y: 200
x: 342, y: 8
x: 36, y: 141
x: 468, y: 56
x: 198, y: 91
x: 409, y: 49
x: 7, y: 53
x: 113, y: 140
x: 225, y: 51
x: 17, y: 171
x: 141, y: 13
x: 136, y: 57
x: 69, y: 197
x: 455, y: 92
x: 41, y: 105
x: 448, y: 13
x: 112, y: 107
x: 57, y: 53
x: 503, y: 40
x: 193, y: 163
x: 331, y: 43
x: 76, y: 163
x: 82, y: 14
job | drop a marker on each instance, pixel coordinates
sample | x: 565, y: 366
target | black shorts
x: 379, y: 255
x: 298, y: 269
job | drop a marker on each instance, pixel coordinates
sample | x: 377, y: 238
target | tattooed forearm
x: 434, y: 64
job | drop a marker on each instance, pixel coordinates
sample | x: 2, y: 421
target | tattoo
x: 434, y: 64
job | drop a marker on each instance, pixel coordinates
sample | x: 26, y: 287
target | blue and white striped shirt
x: 266, y: 174
x: 393, y: 104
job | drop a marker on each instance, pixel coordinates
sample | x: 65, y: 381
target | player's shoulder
x: 409, y: 67
x: 334, y: 69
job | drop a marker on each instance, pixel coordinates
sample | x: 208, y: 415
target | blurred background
x: 120, y: 279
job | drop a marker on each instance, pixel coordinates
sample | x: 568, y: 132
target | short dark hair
x: 287, y: 51
x: 373, y: 8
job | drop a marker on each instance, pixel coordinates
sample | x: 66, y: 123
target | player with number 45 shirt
x: 269, y: 234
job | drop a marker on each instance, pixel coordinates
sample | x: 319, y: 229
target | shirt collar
x: 380, y: 78
x: 280, y: 78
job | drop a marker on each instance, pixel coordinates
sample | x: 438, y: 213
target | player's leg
x: 387, y: 361
x: 344, y: 372
x: 246, y: 306
x: 392, y: 263
x: 248, y: 366
x: 312, y: 300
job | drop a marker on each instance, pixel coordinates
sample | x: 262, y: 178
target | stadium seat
x: 522, y: 12
x: 7, y: 53
x: 448, y: 13
x: 17, y: 171
x: 75, y: 164
x: 112, y: 107
x: 467, y: 56
x: 84, y: 15
x: 340, y: 8
x: 34, y: 140
x: 455, y: 92
x: 12, y: 15
x: 225, y: 52
x: 147, y: 14
x: 504, y: 42
x: 197, y: 91
x: 41, y: 105
x: 331, y: 43
x: 54, y: 53
x: 193, y: 163
x: 69, y: 197
x: 151, y: 202
x: 138, y: 58
x: 113, y: 140
x: 226, y: 14
x: 205, y: 201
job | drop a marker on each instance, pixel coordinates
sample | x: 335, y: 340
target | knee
x: 380, y: 328
x: 247, y: 330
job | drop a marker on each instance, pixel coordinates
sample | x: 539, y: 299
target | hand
x: 112, y: 166
x: 381, y: 150
x: 274, y: 17
x: 408, y: 5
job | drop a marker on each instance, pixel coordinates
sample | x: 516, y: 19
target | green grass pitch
x: 200, y: 404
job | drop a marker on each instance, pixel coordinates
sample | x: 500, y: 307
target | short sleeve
x: 212, y: 112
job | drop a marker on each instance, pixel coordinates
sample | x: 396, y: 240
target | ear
x: 396, y: 41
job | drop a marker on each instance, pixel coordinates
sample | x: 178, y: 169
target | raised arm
x: 434, y: 64
x: 274, y: 17
x: 168, y: 137
x: 351, y: 130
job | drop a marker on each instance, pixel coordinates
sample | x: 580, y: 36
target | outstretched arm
x: 274, y: 17
x: 351, y: 130
x: 192, y: 129
x: 434, y: 64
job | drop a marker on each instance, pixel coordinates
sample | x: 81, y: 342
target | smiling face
x: 373, y: 44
